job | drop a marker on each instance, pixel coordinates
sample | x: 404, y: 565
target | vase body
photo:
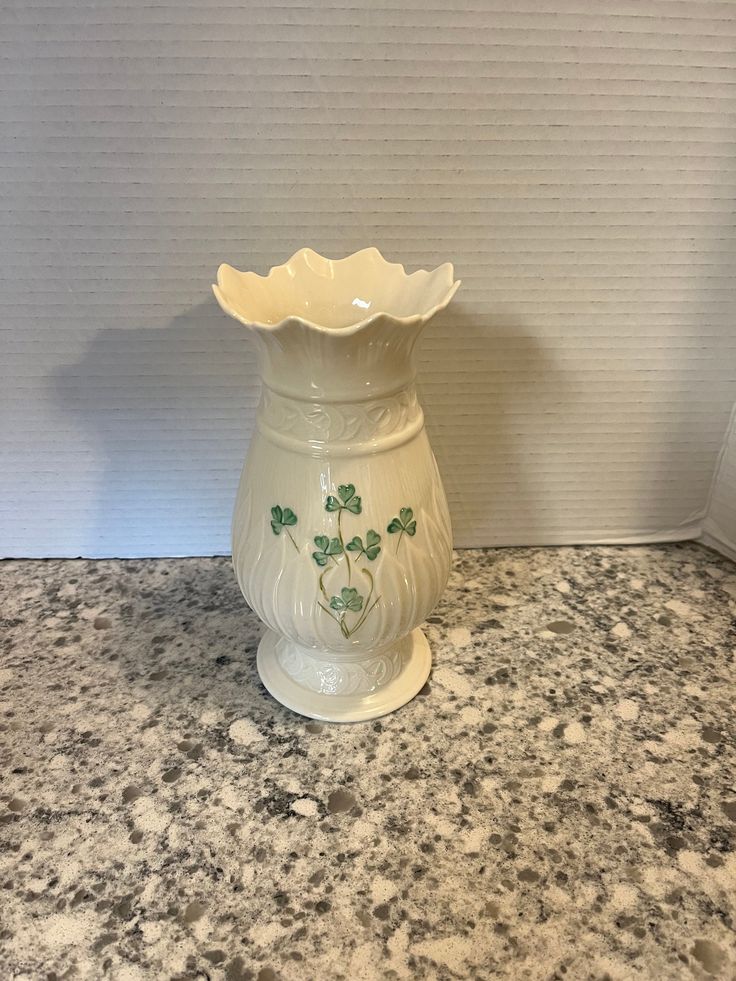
x: 341, y: 533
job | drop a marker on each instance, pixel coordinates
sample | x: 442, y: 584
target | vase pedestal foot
x: 331, y: 688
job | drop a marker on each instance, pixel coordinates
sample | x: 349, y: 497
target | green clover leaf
x: 327, y: 547
x: 409, y: 525
x: 405, y: 524
x: 281, y: 518
x: 346, y: 500
x: 348, y: 600
x: 371, y: 547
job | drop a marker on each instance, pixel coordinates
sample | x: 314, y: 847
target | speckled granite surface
x: 559, y: 802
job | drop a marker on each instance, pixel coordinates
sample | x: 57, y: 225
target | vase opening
x: 334, y: 294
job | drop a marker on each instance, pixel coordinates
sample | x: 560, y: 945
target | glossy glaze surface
x: 341, y: 531
x: 334, y: 294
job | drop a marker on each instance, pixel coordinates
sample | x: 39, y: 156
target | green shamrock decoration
x: 404, y: 524
x: 327, y: 548
x: 349, y: 599
x: 349, y: 501
x: 371, y: 547
x: 283, y: 519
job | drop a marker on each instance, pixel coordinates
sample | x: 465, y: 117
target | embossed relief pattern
x: 344, y: 678
x: 339, y: 422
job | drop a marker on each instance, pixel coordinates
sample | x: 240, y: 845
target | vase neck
x: 305, y: 363
x: 340, y: 428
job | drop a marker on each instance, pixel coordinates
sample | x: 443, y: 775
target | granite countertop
x: 558, y: 802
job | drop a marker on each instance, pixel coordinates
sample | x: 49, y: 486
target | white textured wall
x: 576, y: 159
x: 720, y: 523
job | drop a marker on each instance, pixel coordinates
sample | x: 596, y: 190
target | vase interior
x: 333, y: 293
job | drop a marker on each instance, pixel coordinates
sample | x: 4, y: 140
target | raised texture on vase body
x: 341, y: 533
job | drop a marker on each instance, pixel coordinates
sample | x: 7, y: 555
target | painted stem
x: 342, y: 543
x: 292, y: 540
x: 365, y: 614
x: 330, y: 614
x: 366, y: 611
x: 373, y: 604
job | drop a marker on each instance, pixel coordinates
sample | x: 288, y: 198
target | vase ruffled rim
x: 439, y: 283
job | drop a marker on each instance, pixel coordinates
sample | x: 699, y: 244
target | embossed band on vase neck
x: 339, y: 428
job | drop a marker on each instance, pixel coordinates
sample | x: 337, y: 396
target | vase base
x: 413, y: 664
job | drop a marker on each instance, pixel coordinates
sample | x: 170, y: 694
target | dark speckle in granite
x: 560, y: 802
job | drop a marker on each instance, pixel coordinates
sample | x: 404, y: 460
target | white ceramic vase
x: 341, y: 534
